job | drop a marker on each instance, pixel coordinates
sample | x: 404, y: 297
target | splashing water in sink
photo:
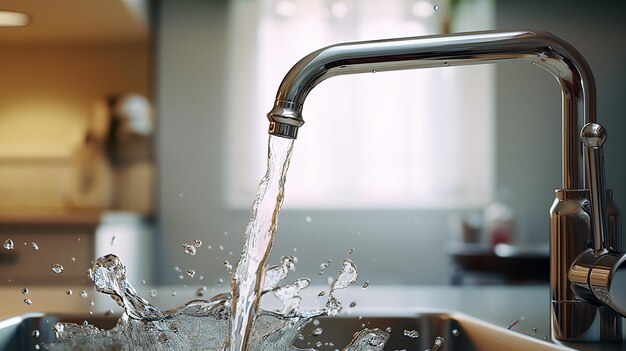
x: 230, y: 321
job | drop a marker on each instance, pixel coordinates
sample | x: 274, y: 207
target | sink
x: 459, y: 331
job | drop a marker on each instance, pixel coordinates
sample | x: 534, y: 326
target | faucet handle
x: 598, y: 274
x: 593, y: 137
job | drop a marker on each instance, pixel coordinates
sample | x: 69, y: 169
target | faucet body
x: 579, y: 313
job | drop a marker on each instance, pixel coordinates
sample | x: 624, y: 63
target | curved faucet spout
x: 540, y: 48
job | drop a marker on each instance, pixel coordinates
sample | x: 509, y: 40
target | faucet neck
x: 540, y: 48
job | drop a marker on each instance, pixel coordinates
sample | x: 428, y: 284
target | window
x: 409, y: 139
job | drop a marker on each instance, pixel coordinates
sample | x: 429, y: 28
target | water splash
x: 199, y: 324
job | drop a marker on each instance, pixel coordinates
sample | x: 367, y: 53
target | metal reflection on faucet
x: 586, y: 284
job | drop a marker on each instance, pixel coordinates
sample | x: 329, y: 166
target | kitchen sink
x: 417, y: 332
x: 420, y: 332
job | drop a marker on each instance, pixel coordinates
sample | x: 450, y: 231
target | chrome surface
x: 579, y: 308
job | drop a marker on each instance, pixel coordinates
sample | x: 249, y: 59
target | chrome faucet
x: 588, y: 281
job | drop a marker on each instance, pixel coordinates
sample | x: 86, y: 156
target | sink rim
x: 482, y: 332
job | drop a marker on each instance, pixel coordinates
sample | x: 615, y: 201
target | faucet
x: 587, y: 274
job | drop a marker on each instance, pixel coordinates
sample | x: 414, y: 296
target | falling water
x: 247, y: 278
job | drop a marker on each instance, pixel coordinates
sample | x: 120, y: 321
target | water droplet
x: 91, y: 303
x: 352, y: 304
x: 34, y: 246
x: 85, y: 323
x: 189, y: 249
x: 35, y: 333
x: 197, y: 243
x: 113, y: 240
x: 73, y: 259
x: 37, y: 347
x: 351, y: 251
x: 181, y: 277
x: 373, y: 71
x: 8, y: 244
x: 83, y: 294
x: 143, y: 282
x: 445, y: 63
x: 366, y: 284
x: 153, y: 293
x: 455, y: 332
x: 413, y: 334
x: 388, y: 329
x: 317, y: 331
x: 108, y: 312
x: 535, y: 330
x: 436, y: 7
x: 308, y: 219
x: 221, y: 248
x: 438, y: 342
x: 318, y: 344
x: 515, y: 322
x: 321, y: 293
x: 68, y: 293
x: 229, y: 267
x: 220, y: 281
x: 57, y: 268
x: 191, y: 273
x: 200, y: 292
x: 210, y: 247
x: 28, y: 302
x: 25, y: 291
x: 174, y: 293
x: 58, y: 328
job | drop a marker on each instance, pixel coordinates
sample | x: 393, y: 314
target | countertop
x: 500, y: 305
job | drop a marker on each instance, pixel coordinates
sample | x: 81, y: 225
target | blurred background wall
x: 390, y: 246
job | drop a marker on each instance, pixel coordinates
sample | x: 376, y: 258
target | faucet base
x: 582, y: 321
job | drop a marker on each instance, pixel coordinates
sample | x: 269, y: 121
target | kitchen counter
x: 524, y: 308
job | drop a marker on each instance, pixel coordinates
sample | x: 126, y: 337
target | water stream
x: 247, y: 278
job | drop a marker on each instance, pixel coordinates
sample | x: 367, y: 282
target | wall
x: 399, y: 247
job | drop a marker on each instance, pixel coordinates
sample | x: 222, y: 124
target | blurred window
x: 408, y: 139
